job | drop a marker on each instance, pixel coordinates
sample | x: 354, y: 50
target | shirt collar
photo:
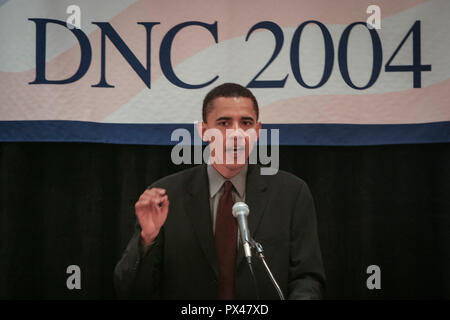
x: 216, y: 181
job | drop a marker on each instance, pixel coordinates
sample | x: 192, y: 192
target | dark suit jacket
x: 182, y: 263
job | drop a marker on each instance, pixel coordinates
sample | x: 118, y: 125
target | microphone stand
x: 259, y: 249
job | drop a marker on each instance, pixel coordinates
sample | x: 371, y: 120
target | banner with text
x: 132, y: 71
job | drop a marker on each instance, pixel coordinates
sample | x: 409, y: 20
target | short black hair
x: 227, y: 90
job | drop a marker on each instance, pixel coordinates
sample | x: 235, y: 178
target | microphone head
x: 240, y: 208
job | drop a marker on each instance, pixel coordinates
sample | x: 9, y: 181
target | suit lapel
x: 199, y: 211
x: 256, y: 199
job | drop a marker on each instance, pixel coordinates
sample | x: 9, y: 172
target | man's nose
x: 236, y: 136
x: 236, y: 132
x: 237, y: 129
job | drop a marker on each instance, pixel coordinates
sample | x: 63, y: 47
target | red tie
x: 226, y: 243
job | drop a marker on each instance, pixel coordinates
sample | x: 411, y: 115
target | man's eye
x: 224, y: 123
x: 247, y: 123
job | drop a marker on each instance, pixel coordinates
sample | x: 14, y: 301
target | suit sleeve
x: 138, y: 274
x: 306, y: 273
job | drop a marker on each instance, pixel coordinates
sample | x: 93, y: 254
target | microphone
x: 240, y: 212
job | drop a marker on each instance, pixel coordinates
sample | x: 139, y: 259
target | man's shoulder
x: 282, y: 181
x: 285, y: 178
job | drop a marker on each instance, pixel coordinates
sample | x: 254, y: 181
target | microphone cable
x: 255, y: 283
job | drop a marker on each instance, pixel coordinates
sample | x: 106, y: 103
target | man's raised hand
x: 151, y: 210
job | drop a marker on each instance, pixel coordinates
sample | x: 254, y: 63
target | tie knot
x: 227, y: 186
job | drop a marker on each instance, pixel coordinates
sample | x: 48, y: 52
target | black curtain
x: 67, y: 204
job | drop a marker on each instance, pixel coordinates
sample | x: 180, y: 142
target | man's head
x: 227, y: 90
x: 230, y: 113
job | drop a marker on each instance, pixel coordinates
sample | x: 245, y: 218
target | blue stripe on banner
x: 160, y: 134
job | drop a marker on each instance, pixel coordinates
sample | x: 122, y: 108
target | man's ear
x: 201, y: 129
x: 258, y: 128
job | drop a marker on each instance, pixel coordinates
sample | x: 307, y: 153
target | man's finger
x: 160, y: 191
x: 162, y: 200
x: 165, y: 204
x: 154, y: 192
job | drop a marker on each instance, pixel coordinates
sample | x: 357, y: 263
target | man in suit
x: 189, y: 248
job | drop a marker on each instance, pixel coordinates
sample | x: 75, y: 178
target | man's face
x: 235, y: 119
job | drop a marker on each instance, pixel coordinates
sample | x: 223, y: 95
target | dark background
x: 73, y: 203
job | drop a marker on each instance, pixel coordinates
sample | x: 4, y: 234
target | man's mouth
x: 236, y: 149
